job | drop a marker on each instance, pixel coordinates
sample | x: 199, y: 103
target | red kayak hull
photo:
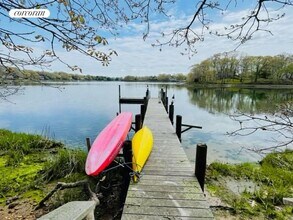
x: 108, y: 144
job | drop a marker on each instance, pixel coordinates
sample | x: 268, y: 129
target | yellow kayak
x: 142, y: 144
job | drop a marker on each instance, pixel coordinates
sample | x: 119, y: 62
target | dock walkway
x: 167, y: 188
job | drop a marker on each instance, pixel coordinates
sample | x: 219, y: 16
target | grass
x: 63, y: 164
x: 273, y: 177
x: 17, y: 145
x: 43, y: 163
x: 14, y: 180
x: 29, y: 164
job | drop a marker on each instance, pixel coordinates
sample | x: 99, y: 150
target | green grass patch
x: 29, y: 164
x: 17, y: 145
x: 14, y: 180
x: 273, y: 178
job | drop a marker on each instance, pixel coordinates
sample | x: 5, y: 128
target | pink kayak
x: 108, y: 144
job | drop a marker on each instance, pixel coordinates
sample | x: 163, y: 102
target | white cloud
x: 138, y: 57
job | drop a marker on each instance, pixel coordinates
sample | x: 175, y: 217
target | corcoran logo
x: 29, y: 13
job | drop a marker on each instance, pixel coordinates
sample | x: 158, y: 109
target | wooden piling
x: 166, y: 103
x: 88, y: 143
x: 171, y: 113
x: 127, y: 154
x: 145, y: 102
x: 147, y: 94
x: 161, y: 94
x: 178, y: 126
x: 138, y: 123
x: 142, y: 112
x: 119, y: 90
x: 166, y: 90
x: 163, y: 97
x: 200, y: 164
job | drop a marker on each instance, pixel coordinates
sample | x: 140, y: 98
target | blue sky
x: 138, y: 57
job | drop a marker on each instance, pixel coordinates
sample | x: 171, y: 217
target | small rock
x: 288, y: 201
x: 11, y: 199
x: 12, y: 205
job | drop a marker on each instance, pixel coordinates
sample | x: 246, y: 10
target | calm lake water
x: 79, y: 110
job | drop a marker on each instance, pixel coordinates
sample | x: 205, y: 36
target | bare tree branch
x: 280, y: 124
x: 62, y: 186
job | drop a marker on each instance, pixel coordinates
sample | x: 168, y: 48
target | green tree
x: 202, y: 72
x: 164, y: 77
x: 179, y: 77
x: 287, y: 72
x: 129, y: 78
x: 246, y: 68
x: 277, y: 65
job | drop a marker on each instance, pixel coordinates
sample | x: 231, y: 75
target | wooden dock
x: 168, y: 188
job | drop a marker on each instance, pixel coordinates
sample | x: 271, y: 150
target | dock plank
x: 167, y: 188
x: 164, y: 195
x: 169, y: 211
x: 166, y: 203
x: 154, y: 217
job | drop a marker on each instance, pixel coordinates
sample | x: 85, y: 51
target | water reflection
x: 229, y: 100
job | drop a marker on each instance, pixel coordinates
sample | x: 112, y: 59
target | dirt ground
x: 20, y: 210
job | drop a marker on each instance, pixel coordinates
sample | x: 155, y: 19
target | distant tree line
x: 220, y: 68
x: 234, y: 68
x: 37, y: 76
x: 179, y: 77
x: 17, y: 76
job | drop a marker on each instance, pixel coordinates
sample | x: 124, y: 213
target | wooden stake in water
x: 200, y: 164
x: 88, y: 143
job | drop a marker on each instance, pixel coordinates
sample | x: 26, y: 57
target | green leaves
x: 39, y: 38
x: 77, y: 20
x: 100, y: 40
x: 64, y: 2
x: 81, y: 19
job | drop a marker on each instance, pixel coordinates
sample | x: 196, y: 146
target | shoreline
x: 179, y: 83
x: 270, y: 175
x: 242, y: 86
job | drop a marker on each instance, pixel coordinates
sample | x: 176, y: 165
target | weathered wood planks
x: 167, y: 188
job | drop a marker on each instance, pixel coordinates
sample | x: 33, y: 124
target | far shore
x: 181, y: 83
x: 244, y: 86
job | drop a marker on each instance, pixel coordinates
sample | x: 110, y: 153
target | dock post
x: 145, y: 102
x: 200, y: 164
x: 163, y: 97
x: 161, y: 94
x: 137, y: 122
x: 171, y: 113
x: 127, y: 154
x: 147, y: 94
x: 142, y: 112
x: 166, y: 90
x: 166, y: 104
x: 88, y: 143
x: 119, y: 98
x: 178, y: 126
